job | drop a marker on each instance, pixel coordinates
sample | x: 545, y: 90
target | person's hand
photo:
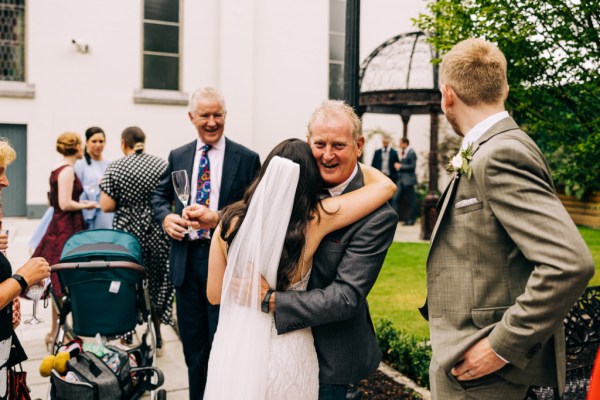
x: 3, y: 241
x: 34, y: 270
x: 175, y: 226
x: 397, y: 165
x: 480, y: 360
x: 201, y: 217
x: 89, y: 204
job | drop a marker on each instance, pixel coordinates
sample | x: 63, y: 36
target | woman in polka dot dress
x: 125, y: 189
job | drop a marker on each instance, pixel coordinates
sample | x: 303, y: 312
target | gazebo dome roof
x: 401, y: 63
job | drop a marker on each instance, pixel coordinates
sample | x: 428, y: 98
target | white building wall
x: 268, y: 57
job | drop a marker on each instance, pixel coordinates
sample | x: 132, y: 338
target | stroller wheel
x: 161, y: 394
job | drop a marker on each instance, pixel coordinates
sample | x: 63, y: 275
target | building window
x: 12, y: 40
x: 337, y: 37
x: 161, y: 44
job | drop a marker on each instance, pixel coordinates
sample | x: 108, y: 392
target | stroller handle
x: 97, y: 265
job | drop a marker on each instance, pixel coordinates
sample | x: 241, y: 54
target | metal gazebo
x: 399, y: 78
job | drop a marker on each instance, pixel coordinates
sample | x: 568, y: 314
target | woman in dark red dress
x: 65, y: 189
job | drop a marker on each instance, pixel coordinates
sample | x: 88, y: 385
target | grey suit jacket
x: 506, y: 262
x: 408, y: 166
x: 240, y: 167
x: 344, y: 270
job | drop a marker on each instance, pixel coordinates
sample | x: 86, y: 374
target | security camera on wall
x: 80, y: 46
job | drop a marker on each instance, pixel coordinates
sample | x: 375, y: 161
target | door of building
x: 14, y: 198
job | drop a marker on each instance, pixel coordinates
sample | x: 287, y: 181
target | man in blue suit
x: 231, y: 168
x: 407, y: 179
x: 386, y: 158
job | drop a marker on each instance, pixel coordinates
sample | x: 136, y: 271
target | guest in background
x: 65, y: 190
x: 407, y: 179
x: 386, y: 158
x: 90, y: 171
x: 125, y: 189
x: 219, y: 171
x: 31, y: 272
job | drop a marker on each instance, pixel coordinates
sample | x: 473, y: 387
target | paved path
x: 32, y: 337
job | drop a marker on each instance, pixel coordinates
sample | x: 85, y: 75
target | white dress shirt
x: 478, y: 130
x: 339, y: 189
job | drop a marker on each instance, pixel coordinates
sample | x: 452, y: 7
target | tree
x: 553, y: 52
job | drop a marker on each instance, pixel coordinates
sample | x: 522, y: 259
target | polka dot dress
x: 129, y: 181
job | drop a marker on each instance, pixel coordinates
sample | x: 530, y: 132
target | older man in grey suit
x: 506, y: 262
x: 345, y: 266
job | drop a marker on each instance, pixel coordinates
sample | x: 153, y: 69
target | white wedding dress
x: 293, y: 371
x: 248, y: 360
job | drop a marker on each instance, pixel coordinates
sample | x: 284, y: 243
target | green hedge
x: 404, y: 352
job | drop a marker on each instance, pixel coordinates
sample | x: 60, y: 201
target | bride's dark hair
x: 303, y: 210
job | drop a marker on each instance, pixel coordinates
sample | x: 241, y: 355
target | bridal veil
x: 240, y: 353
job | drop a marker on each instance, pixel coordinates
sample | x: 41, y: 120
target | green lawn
x: 401, y: 289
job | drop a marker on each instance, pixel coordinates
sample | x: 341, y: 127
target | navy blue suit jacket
x: 393, y: 158
x: 240, y: 167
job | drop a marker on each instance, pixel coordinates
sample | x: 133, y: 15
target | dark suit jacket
x: 506, y: 262
x: 406, y: 173
x: 393, y: 158
x: 240, y: 166
x: 344, y: 270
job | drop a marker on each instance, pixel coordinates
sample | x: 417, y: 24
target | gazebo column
x: 429, y: 211
x: 405, y: 115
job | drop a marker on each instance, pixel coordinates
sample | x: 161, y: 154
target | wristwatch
x: 264, y: 306
x: 21, y: 281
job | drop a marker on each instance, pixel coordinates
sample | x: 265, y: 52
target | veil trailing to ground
x: 239, y: 358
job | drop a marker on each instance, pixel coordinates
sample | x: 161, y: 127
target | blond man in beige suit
x: 506, y: 262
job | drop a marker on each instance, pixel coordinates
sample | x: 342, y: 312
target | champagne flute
x: 181, y: 184
x: 35, y: 293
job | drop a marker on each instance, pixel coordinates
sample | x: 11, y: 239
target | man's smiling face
x: 333, y: 147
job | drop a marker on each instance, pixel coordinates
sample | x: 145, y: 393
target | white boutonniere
x: 461, y: 163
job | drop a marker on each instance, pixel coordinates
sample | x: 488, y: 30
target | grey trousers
x: 491, y: 387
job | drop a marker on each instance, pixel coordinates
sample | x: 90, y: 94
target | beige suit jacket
x: 506, y: 261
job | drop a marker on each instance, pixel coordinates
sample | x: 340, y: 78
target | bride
x: 274, y: 232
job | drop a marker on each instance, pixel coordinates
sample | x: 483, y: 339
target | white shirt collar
x: 339, y: 189
x: 478, y: 130
x: 220, y: 145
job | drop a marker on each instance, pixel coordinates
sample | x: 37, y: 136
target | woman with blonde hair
x: 65, y: 190
x: 31, y: 272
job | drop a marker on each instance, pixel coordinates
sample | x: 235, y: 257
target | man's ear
x: 191, y: 117
x: 359, y: 144
x: 448, y: 96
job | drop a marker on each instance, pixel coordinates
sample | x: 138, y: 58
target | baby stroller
x: 107, y: 297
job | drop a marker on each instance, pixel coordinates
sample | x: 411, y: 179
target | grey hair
x: 330, y: 108
x: 207, y: 93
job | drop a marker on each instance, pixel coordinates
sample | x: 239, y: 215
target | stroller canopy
x: 104, y: 244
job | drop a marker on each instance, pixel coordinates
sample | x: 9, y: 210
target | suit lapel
x: 188, y: 158
x: 446, y: 196
x: 231, y: 163
x: 504, y: 125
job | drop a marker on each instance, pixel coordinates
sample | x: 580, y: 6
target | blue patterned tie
x: 203, y: 185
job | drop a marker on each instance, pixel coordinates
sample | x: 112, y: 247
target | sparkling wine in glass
x: 35, y: 293
x: 181, y: 184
